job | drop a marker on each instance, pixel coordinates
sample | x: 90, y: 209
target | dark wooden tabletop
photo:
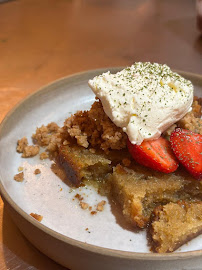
x: 41, y: 41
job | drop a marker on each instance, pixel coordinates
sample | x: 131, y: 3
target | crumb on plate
x: 84, y: 205
x: 19, y: 177
x: 21, y: 144
x: 93, y: 213
x: 43, y: 155
x: 30, y: 151
x: 36, y: 216
x: 100, y: 206
x: 25, y: 149
x: 37, y: 171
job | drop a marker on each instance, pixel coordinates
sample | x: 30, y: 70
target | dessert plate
x: 68, y: 232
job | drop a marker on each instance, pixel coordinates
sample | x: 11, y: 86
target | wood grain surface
x: 43, y: 40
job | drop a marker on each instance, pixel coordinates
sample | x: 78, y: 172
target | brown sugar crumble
x: 100, y: 206
x: 43, y: 155
x: 95, y: 128
x: 25, y: 149
x: 21, y: 144
x: 19, y: 177
x: 30, y: 151
x: 37, y: 171
x: 192, y: 120
x: 48, y: 136
x: 84, y: 205
x: 36, y: 216
x: 79, y: 197
x: 93, y: 213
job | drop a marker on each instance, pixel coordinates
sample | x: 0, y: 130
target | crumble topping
x: 21, y: 144
x: 94, y: 128
x: 25, y: 149
x: 192, y: 120
x: 30, y: 151
x: 191, y: 123
x: 49, y: 136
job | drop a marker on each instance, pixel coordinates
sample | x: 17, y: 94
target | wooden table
x: 41, y: 41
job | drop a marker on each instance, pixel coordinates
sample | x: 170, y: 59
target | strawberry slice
x: 187, y: 147
x: 155, y: 154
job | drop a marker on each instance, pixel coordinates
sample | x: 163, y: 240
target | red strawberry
x: 155, y: 154
x: 187, y: 147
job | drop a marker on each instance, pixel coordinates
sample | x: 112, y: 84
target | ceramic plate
x: 49, y: 196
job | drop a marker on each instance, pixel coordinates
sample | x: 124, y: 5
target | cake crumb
x: 126, y: 162
x: 86, y: 229
x: 90, y: 208
x: 36, y: 216
x: 100, y: 206
x: 48, y: 136
x: 52, y: 127
x: 21, y: 144
x: 20, y: 169
x: 84, y: 205
x: 30, y: 151
x: 43, y: 155
x: 79, y: 197
x: 19, y: 177
x: 93, y: 212
x: 37, y: 171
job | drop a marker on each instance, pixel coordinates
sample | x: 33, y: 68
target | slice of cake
x: 140, y: 190
x: 174, y: 224
x: 80, y: 163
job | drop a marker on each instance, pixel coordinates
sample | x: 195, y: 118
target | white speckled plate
x: 105, y: 234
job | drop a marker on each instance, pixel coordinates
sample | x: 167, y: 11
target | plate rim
x: 68, y: 240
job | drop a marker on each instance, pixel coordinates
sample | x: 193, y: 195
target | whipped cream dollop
x: 144, y: 99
